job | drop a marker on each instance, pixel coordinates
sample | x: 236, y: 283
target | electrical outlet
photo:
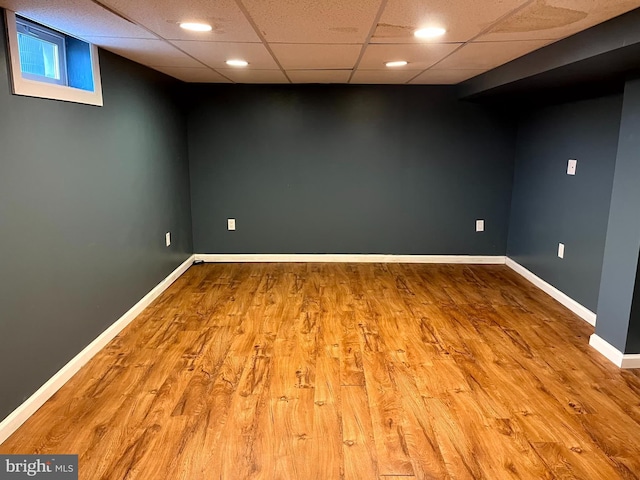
x: 571, y: 167
x: 479, y: 225
x: 167, y: 238
x: 561, y: 250
x: 231, y: 223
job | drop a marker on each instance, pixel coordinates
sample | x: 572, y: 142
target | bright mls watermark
x: 51, y: 467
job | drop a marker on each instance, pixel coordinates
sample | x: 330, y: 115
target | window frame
x: 49, y: 35
x: 30, y: 87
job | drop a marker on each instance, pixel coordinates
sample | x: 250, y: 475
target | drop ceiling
x: 322, y: 41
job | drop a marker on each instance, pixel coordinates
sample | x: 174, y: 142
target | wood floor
x: 355, y: 371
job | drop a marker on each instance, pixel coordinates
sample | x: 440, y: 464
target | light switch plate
x: 561, y: 250
x: 167, y: 238
x: 479, y: 225
x: 572, y: 166
x: 231, y: 223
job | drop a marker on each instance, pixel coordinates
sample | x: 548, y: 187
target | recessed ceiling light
x: 196, y: 27
x: 237, y: 63
x: 399, y: 63
x: 430, y: 32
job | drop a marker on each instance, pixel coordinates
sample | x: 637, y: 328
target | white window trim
x: 32, y: 88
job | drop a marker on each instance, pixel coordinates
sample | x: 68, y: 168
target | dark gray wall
x: 633, y: 335
x: 550, y: 206
x: 86, y: 195
x: 623, y: 236
x: 347, y: 169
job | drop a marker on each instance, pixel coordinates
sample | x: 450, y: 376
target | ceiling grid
x: 322, y: 41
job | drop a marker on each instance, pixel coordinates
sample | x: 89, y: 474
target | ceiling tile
x: 387, y: 76
x: 445, y: 77
x: 248, y: 75
x: 313, y: 21
x: 555, y: 19
x: 163, y: 16
x: 79, y: 18
x: 319, y: 76
x: 193, y: 75
x: 154, y: 53
x: 487, y: 55
x: 215, y: 54
x: 419, y: 56
x: 296, y: 56
x: 462, y: 19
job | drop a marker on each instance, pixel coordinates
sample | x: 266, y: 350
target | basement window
x: 46, y: 63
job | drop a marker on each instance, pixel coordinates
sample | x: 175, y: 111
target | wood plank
x: 426, y: 457
x: 327, y: 422
x: 385, y: 407
x: 360, y: 459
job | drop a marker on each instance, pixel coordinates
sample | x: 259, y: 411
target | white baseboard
x: 580, y: 310
x: 349, y: 258
x: 631, y: 360
x: 622, y: 360
x: 35, y: 401
x: 606, y: 349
